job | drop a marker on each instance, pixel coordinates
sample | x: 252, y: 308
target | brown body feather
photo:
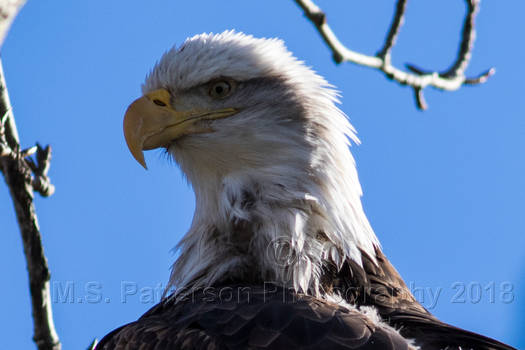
x: 265, y: 316
x: 251, y: 317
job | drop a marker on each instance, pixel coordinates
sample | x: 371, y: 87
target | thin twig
x: 40, y: 167
x: 18, y: 176
x: 468, y: 35
x: 417, y: 78
x: 393, y: 32
x: 93, y: 344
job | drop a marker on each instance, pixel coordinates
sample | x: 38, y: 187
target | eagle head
x: 262, y: 142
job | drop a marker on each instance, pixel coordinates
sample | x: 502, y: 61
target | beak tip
x: 139, y: 157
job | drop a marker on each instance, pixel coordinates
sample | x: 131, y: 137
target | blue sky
x: 444, y: 189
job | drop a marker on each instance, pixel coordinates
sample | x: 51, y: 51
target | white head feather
x: 277, y: 192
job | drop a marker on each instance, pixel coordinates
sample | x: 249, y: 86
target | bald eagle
x: 280, y: 254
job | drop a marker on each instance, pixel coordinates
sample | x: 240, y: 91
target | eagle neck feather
x: 282, y: 222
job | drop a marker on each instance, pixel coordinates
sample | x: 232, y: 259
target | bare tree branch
x: 417, y: 78
x: 24, y: 175
x: 18, y: 173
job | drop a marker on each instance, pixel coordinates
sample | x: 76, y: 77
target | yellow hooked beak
x: 150, y: 122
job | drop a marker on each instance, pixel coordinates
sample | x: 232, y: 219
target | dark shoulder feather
x: 381, y: 286
x: 252, y: 317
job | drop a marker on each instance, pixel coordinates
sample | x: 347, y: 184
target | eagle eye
x: 220, y: 89
x: 159, y: 103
